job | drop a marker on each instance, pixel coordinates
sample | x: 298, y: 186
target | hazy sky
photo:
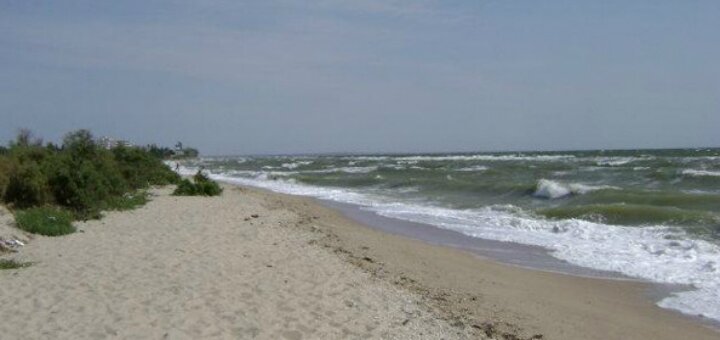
x: 285, y: 76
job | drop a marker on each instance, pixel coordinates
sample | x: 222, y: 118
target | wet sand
x: 193, y: 267
x: 502, y: 300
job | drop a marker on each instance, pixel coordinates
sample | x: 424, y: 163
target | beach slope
x: 202, y: 268
x: 254, y: 264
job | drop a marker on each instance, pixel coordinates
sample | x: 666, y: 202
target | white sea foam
x: 697, y: 158
x: 659, y: 254
x: 359, y: 169
x: 407, y: 190
x: 473, y: 168
x: 482, y: 157
x: 700, y: 173
x: 618, y: 161
x: 347, y: 169
x: 294, y: 165
x: 408, y: 162
x: 554, y: 189
x: 400, y: 166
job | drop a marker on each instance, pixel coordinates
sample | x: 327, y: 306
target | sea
x: 652, y: 215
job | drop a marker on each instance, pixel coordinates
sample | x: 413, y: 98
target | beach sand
x: 198, y: 267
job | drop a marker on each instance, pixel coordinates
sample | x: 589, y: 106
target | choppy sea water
x: 649, y: 214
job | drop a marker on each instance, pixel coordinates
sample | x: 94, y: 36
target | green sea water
x: 679, y: 188
x: 649, y: 214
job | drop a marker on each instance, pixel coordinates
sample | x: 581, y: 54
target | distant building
x: 181, y: 151
x: 109, y: 142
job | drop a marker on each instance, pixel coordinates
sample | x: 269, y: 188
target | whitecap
x: 554, y: 189
x: 474, y: 168
x: 700, y: 173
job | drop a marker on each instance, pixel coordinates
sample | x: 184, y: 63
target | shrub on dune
x: 46, y: 221
x: 80, y: 176
x: 12, y: 264
x: 127, y: 201
x: 200, y: 186
x: 4, y: 174
x: 83, y: 187
x: 27, y: 186
x: 141, y: 169
x: 185, y: 188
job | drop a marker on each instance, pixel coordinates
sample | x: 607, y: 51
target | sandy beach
x: 505, y: 170
x: 255, y: 264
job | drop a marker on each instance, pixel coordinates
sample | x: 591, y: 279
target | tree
x: 26, y: 138
x: 80, y: 143
x: 191, y: 152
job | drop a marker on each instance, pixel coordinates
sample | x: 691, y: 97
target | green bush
x: 185, y: 188
x: 27, y: 186
x: 84, y: 185
x: 159, y: 152
x: 127, y: 201
x: 45, y: 221
x: 141, y: 168
x: 81, y: 176
x: 202, y: 186
x: 12, y: 264
x: 206, y: 186
x: 4, y: 174
x: 80, y: 144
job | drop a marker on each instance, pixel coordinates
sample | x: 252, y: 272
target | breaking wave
x: 553, y: 189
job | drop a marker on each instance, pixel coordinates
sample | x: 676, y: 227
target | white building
x: 109, y: 142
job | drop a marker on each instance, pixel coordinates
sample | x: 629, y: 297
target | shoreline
x: 681, y: 263
x: 528, y: 257
x: 509, y: 253
x: 522, y: 256
x: 189, y: 267
x: 585, y: 307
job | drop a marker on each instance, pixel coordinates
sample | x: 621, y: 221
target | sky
x: 318, y: 76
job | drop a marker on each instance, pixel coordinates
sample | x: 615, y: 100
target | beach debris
x: 254, y: 215
x: 494, y: 332
x: 10, y: 244
x: 486, y: 327
x: 458, y: 323
x: 16, y: 242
